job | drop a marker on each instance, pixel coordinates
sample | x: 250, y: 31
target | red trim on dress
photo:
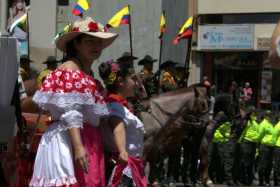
x: 118, y: 99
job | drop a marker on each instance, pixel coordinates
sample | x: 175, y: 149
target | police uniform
x: 149, y: 79
x: 276, y: 142
x: 219, y: 167
x: 167, y: 80
x: 126, y: 62
x: 266, y: 151
x: 51, y: 63
x: 249, y: 139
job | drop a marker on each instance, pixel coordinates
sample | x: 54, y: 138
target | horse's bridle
x: 195, y: 120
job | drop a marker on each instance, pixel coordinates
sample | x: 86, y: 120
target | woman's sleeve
x: 117, y: 110
x: 67, y: 93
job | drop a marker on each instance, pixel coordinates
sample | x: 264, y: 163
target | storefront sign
x: 263, y: 43
x: 224, y: 37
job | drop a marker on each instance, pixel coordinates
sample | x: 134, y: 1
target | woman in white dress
x: 71, y: 150
x: 127, y: 131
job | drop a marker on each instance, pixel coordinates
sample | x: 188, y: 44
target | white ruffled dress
x: 72, y: 99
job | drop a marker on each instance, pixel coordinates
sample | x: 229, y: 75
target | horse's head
x: 200, y: 101
x: 196, y: 108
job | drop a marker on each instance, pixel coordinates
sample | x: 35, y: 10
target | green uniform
x: 276, y: 142
x: 249, y: 139
x: 251, y: 132
x: 266, y: 131
x: 266, y: 151
x: 276, y: 135
x: 220, y: 154
x: 222, y: 133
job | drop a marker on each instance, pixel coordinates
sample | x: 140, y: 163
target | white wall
x: 237, y: 6
x: 3, y: 15
x: 42, y: 29
x: 145, y: 16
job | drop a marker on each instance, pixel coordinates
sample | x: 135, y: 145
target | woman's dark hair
x: 70, y: 48
x: 105, y: 69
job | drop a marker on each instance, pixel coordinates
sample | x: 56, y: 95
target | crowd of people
x: 248, y: 156
x: 76, y: 150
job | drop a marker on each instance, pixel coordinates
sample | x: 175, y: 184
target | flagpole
x: 130, y: 32
x: 28, y: 37
x: 161, y: 44
x: 188, y: 56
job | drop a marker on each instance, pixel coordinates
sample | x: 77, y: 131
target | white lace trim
x: 72, y: 119
x: 67, y: 101
x: 43, y: 182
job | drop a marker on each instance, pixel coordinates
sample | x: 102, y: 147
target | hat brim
x: 127, y: 58
x: 27, y: 60
x: 143, y: 62
x: 50, y: 62
x: 164, y: 65
x: 107, y: 38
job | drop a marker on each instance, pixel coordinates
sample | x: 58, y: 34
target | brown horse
x: 172, y: 115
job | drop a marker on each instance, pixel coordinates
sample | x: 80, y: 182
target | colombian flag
x: 185, y: 31
x: 65, y: 30
x: 120, y: 18
x: 20, y: 22
x: 162, y: 25
x: 80, y: 7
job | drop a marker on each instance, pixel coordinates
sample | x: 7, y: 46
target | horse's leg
x: 207, y: 137
x: 204, y: 162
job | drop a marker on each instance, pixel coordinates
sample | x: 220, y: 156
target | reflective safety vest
x: 276, y: 135
x: 251, y: 132
x: 222, y: 133
x: 265, y: 133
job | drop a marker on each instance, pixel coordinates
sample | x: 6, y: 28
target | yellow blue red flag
x: 80, y: 7
x: 122, y: 17
x: 185, y: 31
x: 162, y: 25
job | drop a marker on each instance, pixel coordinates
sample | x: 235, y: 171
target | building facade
x: 232, y: 42
x: 145, y: 16
x: 47, y: 18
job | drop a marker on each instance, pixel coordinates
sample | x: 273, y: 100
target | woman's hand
x: 81, y: 158
x: 123, y: 157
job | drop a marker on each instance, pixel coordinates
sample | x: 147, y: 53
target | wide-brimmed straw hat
x: 85, y: 26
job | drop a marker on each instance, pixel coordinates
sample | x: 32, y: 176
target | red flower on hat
x: 76, y: 29
x: 93, y: 27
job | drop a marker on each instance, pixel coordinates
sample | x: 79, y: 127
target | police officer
x: 167, y: 81
x: 181, y: 75
x: 126, y: 61
x: 266, y: 130
x: 276, y: 142
x: 26, y: 71
x: 218, y: 168
x: 51, y: 63
x: 248, y: 142
x: 147, y: 75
